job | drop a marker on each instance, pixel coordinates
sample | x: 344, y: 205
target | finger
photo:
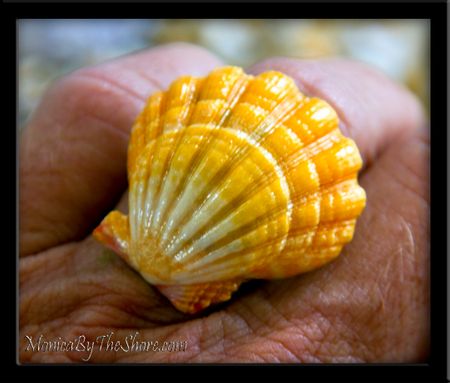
x: 389, y: 257
x: 372, y: 109
x: 73, y: 152
x: 378, y: 289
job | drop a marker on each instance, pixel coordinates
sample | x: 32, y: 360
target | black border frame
x: 432, y: 371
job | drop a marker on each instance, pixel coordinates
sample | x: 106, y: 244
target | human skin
x: 369, y: 305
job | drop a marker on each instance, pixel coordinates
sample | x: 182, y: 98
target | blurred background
x: 48, y: 49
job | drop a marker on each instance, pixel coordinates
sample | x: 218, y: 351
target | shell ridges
x: 234, y: 177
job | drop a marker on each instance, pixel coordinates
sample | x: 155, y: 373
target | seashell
x: 234, y: 177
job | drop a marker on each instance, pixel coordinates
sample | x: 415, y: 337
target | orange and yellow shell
x: 234, y: 177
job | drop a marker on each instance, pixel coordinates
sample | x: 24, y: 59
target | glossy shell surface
x: 234, y: 177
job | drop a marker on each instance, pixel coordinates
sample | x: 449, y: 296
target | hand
x: 369, y: 305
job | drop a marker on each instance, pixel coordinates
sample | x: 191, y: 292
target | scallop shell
x: 234, y: 177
